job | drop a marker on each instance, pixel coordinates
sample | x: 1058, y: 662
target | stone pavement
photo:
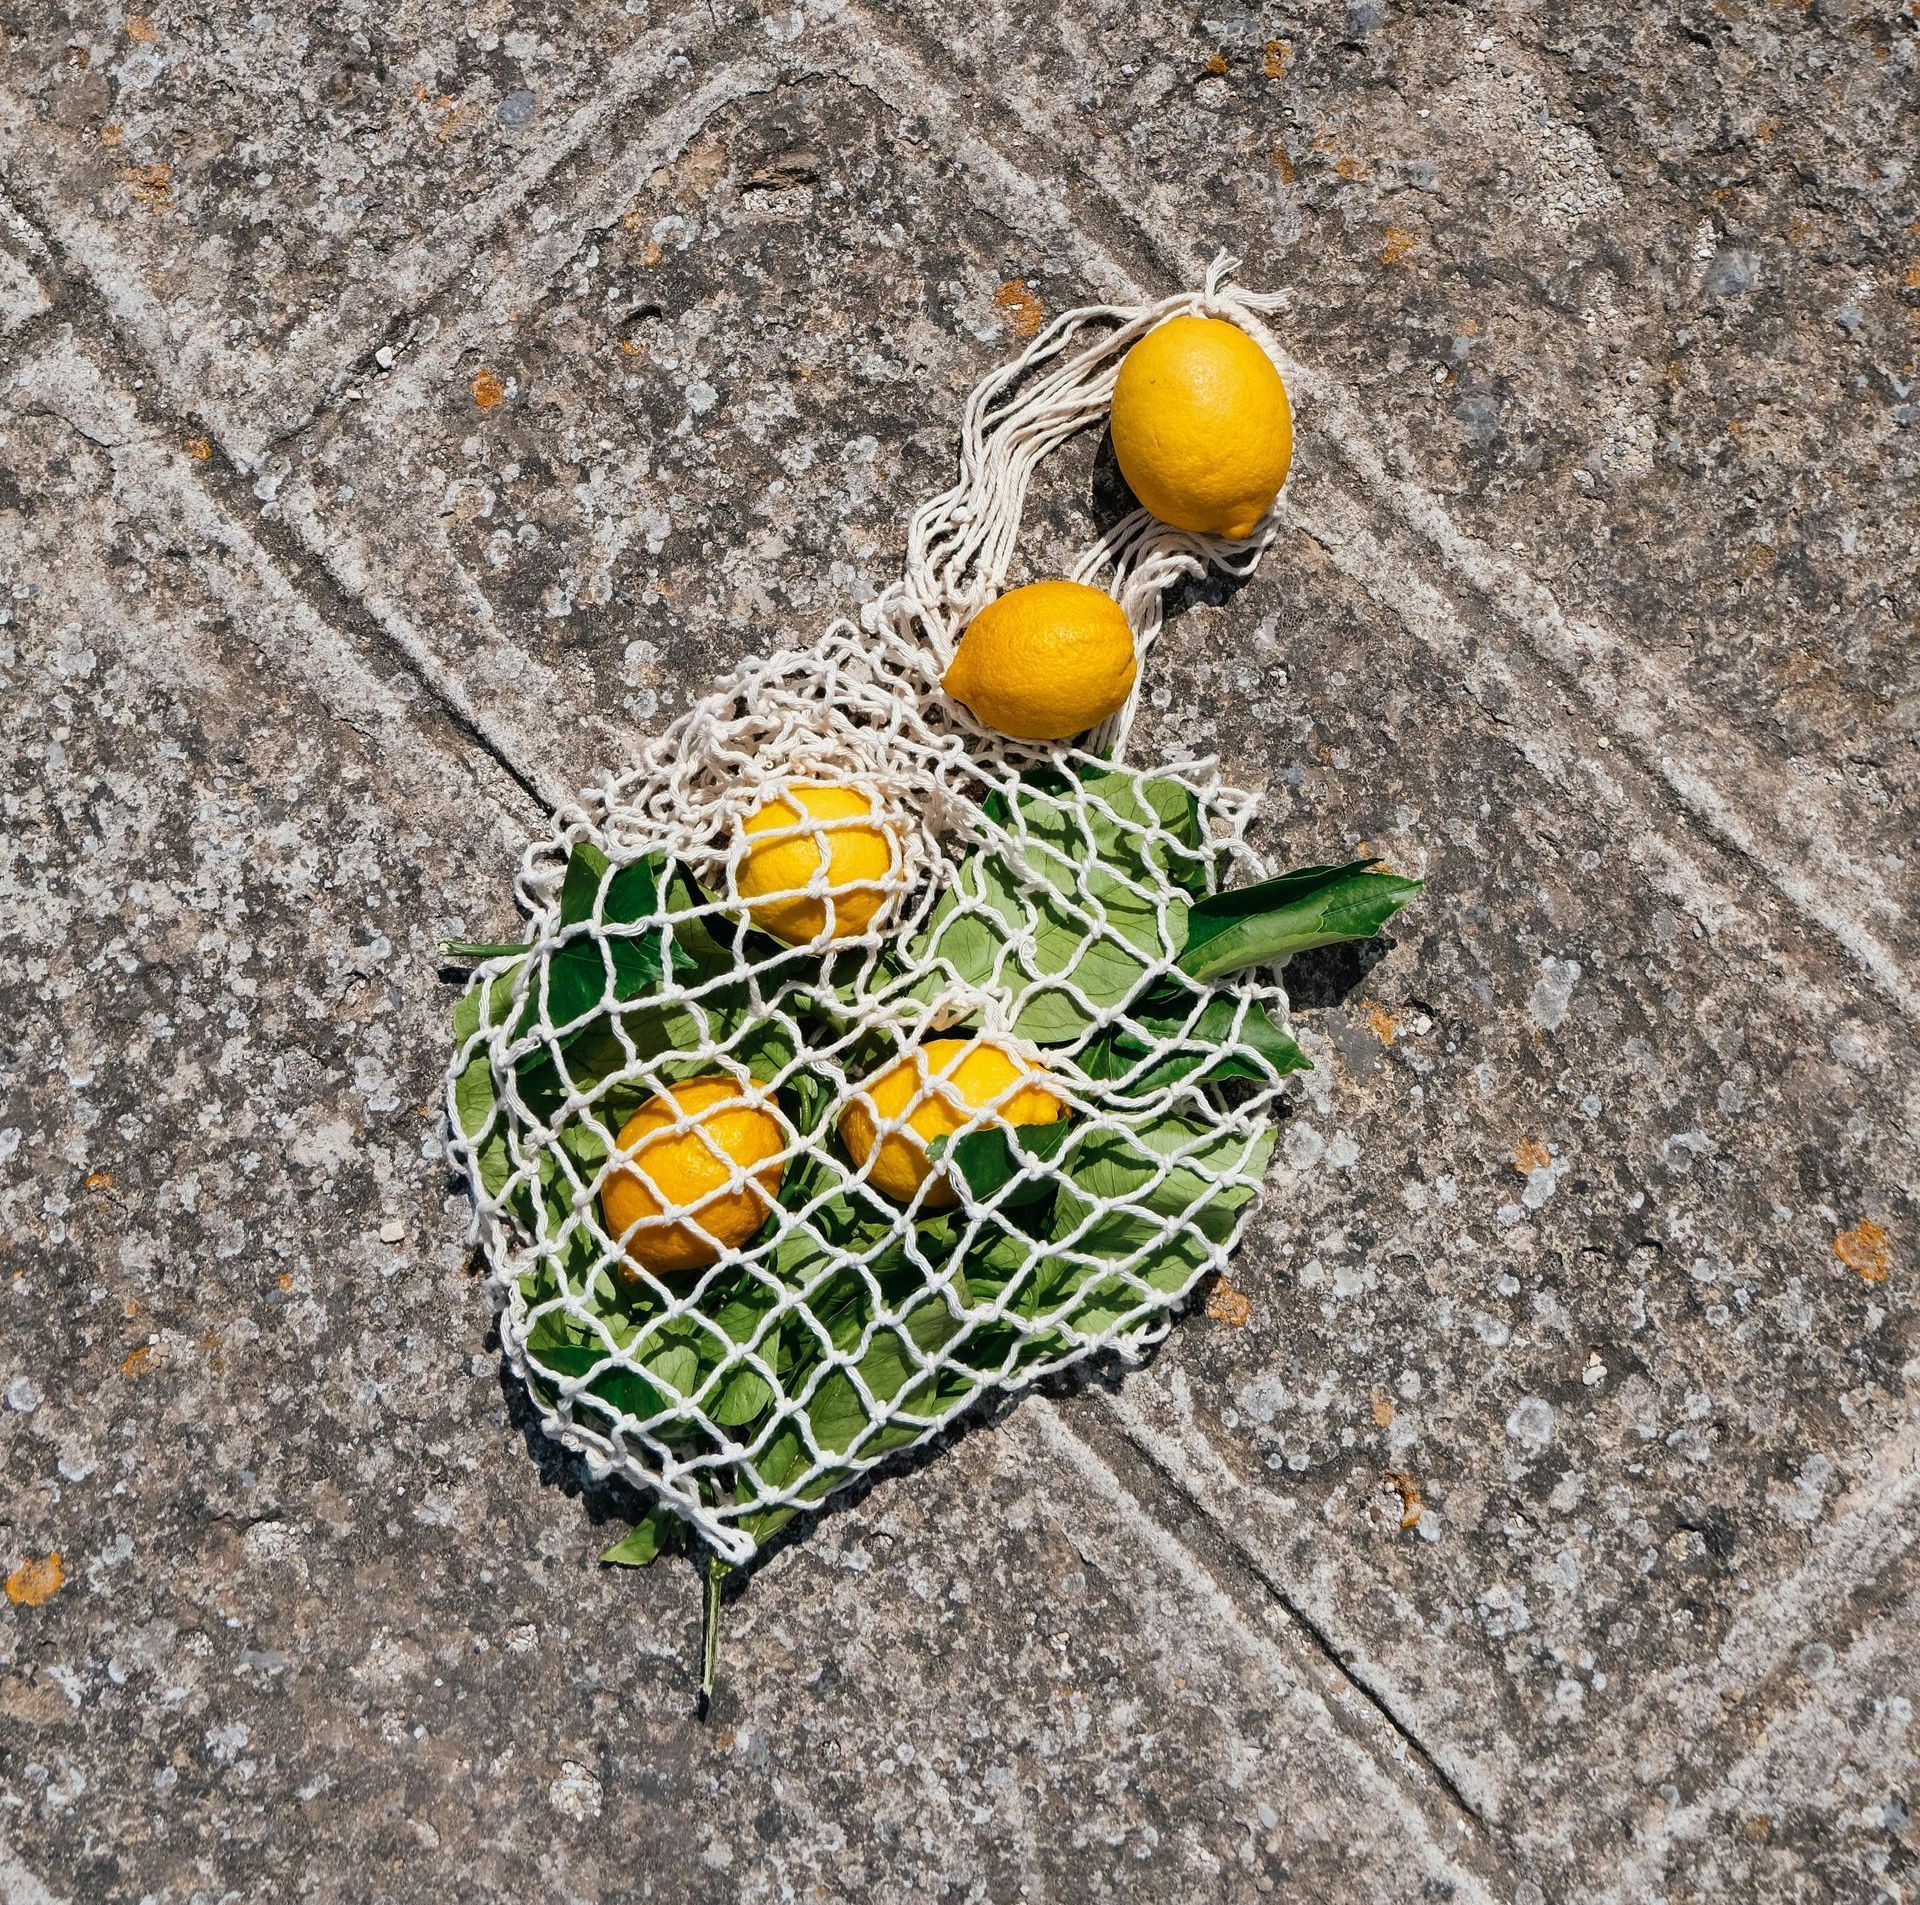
x: 405, y: 410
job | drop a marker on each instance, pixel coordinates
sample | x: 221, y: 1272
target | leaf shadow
x: 1328, y: 975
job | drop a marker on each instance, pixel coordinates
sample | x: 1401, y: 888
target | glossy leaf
x: 657, y: 1532
x: 1311, y: 906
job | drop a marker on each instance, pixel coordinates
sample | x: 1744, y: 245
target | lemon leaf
x: 587, y: 869
x: 741, y: 1398
x: 659, y: 1531
x: 1311, y: 906
x: 996, y: 1156
x: 1227, y: 1037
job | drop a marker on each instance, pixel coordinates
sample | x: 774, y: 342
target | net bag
x: 909, y: 1138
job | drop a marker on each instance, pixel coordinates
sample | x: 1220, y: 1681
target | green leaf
x: 743, y: 1396
x: 613, y: 1384
x: 658, y: 1532
x: 486, y: 1002
x: 1095, y: 873
x: 591, y: 966
x: 475, y: 1096
x: 1171, y: 1166
x: 835, y: 1413
x: 992, y: 1157
x: 1228, y: 1038
x: 1149, y: 1199
x: 586, y: 869
x: 1311, y: 906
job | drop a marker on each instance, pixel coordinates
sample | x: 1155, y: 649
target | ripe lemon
x: 1045, y: 662
x: 937, y: 1088
x: 799, y: 884
x: 1201, y: 426
x: 686, y: 1174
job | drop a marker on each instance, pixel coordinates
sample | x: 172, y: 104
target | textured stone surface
x: 470, y: 386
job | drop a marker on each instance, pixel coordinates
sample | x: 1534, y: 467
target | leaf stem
x: 476, y: 948
x: 717, y: 1571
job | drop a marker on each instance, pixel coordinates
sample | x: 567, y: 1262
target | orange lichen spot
x: 1279, y: 56
x: 488, y: 390
x: 632, y: 347
x: 78, y: 56
x: 1913, y: 274
x: 1020, y: 311
x: 1382, y: 1408
x: 1350, y: 169
x: 286, y: 1279
x: 99, y: 1180
x: 1408, y: 1490
x: 1228, y: 1305
x: 1282, y: 162
x: 1767, y: 128
x: 136, y: 1360
x: 1384, y: 1026
x: 1216, y: 65
x: 133, y: 1306
x: 652, y: 254
x: 35, y: 1583
x: 151, y: 186
x: 1398, y: 244
x: 199, y: 449
x: 1863, y: 1249
x: 450, y: 114
x: 140, y: 29
x: 1531, y: 1155
x: 110, y: 133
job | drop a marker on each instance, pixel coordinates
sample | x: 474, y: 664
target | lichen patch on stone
x: 1864, y: 1250
x: 1531, y: 1155
x: 34, y: 1583
x: 1020, y: 311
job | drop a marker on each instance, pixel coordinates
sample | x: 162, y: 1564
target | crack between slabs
x: 1232, y: 1554
x: 323, y: 595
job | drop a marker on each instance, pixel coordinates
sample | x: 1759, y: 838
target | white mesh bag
x: 1020, y: 963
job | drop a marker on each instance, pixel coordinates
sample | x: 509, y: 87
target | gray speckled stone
x: 401, y: 412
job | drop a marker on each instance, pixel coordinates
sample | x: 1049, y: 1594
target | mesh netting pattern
x: 1028, y: 901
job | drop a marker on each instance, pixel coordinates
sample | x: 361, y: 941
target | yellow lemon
x: 1045, y: 662
x: 1201, y: 426
x: 843, y: 849
x: 689, y: 1175
x: 936, y: 1089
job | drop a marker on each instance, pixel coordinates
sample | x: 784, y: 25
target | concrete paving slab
x: 1546, y: 1531
x: 317, y: 1627
x: 262, y: 196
